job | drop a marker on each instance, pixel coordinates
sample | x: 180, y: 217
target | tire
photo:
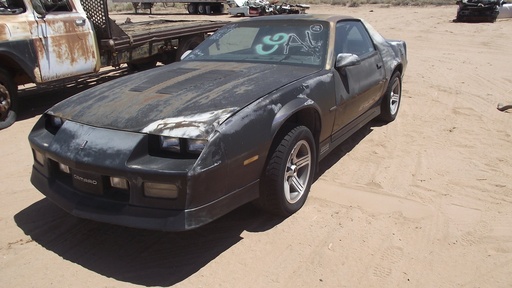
x: 188, y: 43
x: 192, y: 8
x: 391, y: 99
x: 201, y: 8
x: 8, y: 100
x: 289, y: 173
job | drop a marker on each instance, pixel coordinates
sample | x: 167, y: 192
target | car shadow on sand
x: 151, y: 258
x: 143, y: 257
x: 345, y: 147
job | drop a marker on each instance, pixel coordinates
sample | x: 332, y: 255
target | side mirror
x: 185, y: 54
x: 38, y: 7
x: 346, y: 60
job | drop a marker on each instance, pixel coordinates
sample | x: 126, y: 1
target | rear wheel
x: 8, y: 91
x: 201, y: 8
x: 289, y: 173
x: 392, y: 98
x: 192, y: 8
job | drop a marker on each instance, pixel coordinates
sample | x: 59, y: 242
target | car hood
x: 185, y: 99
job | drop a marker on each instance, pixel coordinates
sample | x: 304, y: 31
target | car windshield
x: 290, y: 42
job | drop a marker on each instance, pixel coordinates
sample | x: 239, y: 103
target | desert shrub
x: 339, y: 2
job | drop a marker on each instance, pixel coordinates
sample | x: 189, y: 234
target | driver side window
x: 53, y: 5
x: 352, y: 37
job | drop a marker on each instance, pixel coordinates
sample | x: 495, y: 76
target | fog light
x: 64, y: 168
x: 120, y: 183
x: 160, y: 190
x: 39, y: 157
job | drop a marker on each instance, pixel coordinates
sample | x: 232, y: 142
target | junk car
x: 244, y: 117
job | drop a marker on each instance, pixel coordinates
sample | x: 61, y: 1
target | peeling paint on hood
x: 185, y: 99
x: 198, y: 126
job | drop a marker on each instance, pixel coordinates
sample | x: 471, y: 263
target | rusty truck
x: 47, y: 41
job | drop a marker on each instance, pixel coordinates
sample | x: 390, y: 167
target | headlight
x: 56, y: 121
x: 196, y: 146
x: 182, y: 146
x: 171, y: 144
x: 53, y: 123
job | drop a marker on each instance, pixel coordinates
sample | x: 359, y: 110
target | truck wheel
x: 289, y: 173
x: 188, y: 43
x: 201, y: 8
x: 8, y: 91
x: 192, y: 8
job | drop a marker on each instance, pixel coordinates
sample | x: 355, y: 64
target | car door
x: 64, y: 39
x: 361, y: 84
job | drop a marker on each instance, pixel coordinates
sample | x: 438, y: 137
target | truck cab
x: 50, y: 40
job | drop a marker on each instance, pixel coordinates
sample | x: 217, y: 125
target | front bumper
x: 93, y: 155
x: 102, y: 210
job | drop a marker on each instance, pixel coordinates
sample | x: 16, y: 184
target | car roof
x: 307, y: 17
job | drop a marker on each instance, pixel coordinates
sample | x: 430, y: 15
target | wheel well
x: 308, y: 117
x: 17, y: 73
x: 398, y: 68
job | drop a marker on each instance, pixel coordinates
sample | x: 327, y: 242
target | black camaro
x: 246, y: 116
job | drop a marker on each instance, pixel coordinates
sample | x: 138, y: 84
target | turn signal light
x: 160, y: 190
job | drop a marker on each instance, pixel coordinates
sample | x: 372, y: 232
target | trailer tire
x: 188, y: 43
x: 8, y: 99
x: 192, y: 8
x: 201, y: 8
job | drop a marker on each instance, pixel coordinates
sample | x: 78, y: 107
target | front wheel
x: 8, y: 91
x: 289, y: 173
x: 391, y: 100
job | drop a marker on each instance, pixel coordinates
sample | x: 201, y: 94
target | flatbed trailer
x: 192, y: 6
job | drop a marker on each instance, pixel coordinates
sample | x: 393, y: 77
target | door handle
x: 80, y: 22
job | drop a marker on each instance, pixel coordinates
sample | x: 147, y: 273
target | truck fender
x: 20, y: 60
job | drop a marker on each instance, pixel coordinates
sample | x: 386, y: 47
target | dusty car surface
x: 246, y: 116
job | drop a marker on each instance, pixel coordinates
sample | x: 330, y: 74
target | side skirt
x: 344, y: 133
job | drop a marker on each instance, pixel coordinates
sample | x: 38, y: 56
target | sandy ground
x: 425, y: 201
